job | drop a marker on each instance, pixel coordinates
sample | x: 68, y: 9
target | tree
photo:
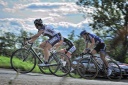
x: 80, y: 45
x: 72, y: 35
x: 110, y: 17
x: 7, y: 43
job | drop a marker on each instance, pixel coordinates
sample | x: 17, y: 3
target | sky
x: 63, y: 15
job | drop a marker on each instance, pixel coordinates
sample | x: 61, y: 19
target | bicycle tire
x: 44, y: 70
x: 87, y: 68
x: 74, y: 73
x: 115, y: 76
x: 23, y: 61
x: 59, y: 69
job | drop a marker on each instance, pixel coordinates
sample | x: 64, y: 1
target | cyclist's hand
x: 87, y: 50
x: 28, y: 43
x: 28, y: 38
x: 82, y: 53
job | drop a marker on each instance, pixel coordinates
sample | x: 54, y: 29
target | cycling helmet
x: 38, y: 21
x: 83, y: 32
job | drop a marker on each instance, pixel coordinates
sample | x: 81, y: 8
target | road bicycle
x: 25, y: 59
x: 89, y: 67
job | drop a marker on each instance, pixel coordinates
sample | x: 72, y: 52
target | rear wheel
x: 116, y: 74
x: 74, y: 74
x: 23, y: 61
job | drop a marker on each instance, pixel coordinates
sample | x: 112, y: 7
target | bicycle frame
x: 100, y: 66
x: 34, y: 52
x: 37, y: 56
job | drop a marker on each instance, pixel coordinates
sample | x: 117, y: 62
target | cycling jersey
x: 96, y: 38
x: 99, y: 43
x: 48, y: 31
x: 70, y: 47
x: 54, y: 36
x: 67, y: 42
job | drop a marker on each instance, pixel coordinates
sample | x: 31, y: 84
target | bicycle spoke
x: 23, y: 61
x: 87, y: 68
x: 116, y: 74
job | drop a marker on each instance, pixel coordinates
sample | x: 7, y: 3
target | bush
x: 126, y: 60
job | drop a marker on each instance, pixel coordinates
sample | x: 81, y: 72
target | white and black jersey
x: 48, y: 31
x: 53, y: 35
x: 70, y: 46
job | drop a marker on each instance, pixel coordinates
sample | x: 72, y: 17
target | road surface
x: 8, y: 77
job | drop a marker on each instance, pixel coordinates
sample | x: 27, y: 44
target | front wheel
x: 60, y: 64
x: 87, y: 68
x: 23, y: 61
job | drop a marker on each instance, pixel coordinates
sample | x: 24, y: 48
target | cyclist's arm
x: 86, y: 44
x: 33, y: 38
x: 92, y: 44
x: 89, y: 45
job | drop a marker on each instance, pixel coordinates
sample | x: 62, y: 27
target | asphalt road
x: 10, y: 77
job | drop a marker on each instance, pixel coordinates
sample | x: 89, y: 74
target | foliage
x: 110, y: 18
x: 71, y: 36
x: 126, y: 60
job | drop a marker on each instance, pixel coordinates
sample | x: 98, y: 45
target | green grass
x: 5, y: 63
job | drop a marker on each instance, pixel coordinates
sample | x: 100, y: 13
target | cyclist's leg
x: 46, y: 51
x: 70, y: 50
x: 103, y: 53
x: 100, y: 48
x: 46, y: 46
x: 93, y: 51
x: 50, y: 43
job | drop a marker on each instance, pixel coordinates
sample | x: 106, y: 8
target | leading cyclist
x: 97, y: 45
x: 48, y: 31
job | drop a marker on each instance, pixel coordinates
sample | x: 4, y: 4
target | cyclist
x: 69, y: 46
x: 68, y: 50
x: 45, y: 30
x: 97, y: 45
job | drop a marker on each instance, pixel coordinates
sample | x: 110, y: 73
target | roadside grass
x: 5, y: 63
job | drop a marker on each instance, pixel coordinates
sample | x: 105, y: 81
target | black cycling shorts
x: 99, y: 47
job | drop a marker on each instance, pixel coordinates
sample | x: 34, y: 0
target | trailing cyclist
x: 68, y: 49
x: 97, y: 45
x: 69, y: 46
